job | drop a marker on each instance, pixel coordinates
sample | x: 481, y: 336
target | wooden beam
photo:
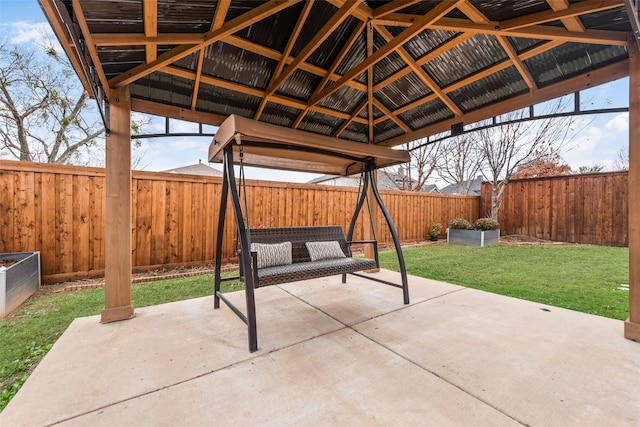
x: 216, y: 22
x: 164, y: 110
x: 418, y: 26
x: 334, y: 22
x: 513, y: 55
x: 210, y: 37
x: 572, y: 23
x: 571, y: 11
x: 426, y: 79
x: 632, y: 325
x: 389, y: 115
x: 150, y: 18
x: 93, y: 53
x: 118, y: 304
x: 353, y: 116
x: 370, y: 86
x: 580, y: 82
x: 391, y: 7
x: 285, y: 54
x: 332, y: 69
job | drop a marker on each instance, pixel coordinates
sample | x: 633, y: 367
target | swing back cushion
x: 328, y: 245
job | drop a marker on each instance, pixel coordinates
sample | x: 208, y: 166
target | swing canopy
x: 269, y: 146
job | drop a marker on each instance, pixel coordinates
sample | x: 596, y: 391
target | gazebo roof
x: 371, y: 71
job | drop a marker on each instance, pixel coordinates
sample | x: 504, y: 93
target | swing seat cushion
x: 315, y: 252
x: 312, y: 270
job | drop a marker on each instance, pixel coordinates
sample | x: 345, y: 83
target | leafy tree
x: 45, y: 115
x: 589, y: 169
x: 551, y: 166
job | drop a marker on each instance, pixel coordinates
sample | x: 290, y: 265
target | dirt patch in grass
x: 521, y: 239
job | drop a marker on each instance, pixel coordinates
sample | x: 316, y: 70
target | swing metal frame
x: 223, y: 149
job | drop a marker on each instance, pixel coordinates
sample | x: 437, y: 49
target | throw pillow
x: 271, y: 255
x: 324, y: 250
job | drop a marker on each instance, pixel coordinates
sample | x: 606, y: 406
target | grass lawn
x: 582, y: 278
x: 578, y: 277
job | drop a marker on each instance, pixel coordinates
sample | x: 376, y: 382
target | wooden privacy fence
x: 590, y: 208
x: 59, y: 211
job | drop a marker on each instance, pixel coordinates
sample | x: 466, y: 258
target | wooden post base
x: 117, y: 313
x: 632, y: 331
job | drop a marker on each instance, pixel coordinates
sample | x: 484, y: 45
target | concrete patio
x: 333, y: 354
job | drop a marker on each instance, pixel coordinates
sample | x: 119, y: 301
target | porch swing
x: 269, y: 256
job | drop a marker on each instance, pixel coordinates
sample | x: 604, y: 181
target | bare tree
x: 413, y: 176
x: 460, y: 163
x: 518, y: 142
x: 45, y: 115
x: 621, y: 162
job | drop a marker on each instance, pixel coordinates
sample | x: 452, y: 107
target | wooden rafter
x: 422, y: 75
x: 390, y: 115
x: 391, y: 7
x: 478, y: 17
x: 572, y: 23
x: 210, y: 37
x: 150, y: 16
x: 332, y: 69
x: 370, y: 136
x: 419, y: 25
x: 571, y: 11
x: 351, y: 118
x: 285, y: 54
x: 580, y: 82
x: 93, y: 53
x: 218, y: 20
x: 334, y: 22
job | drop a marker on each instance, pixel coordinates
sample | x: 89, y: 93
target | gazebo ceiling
x: 376, y: 71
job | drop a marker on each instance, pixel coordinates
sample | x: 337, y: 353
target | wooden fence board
x: 590, y: 208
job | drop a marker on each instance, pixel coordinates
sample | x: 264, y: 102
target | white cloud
x: 196, y: 146
x: 619, y: 124
x: 39, y: 33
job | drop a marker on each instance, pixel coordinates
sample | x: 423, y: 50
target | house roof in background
x: 475, y: 187
x: 196, y: 169
x: 386, y: 181
x: 372, y: 71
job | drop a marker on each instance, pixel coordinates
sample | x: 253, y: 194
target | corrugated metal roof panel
x: 356, y: 55
x: 118, y: 59
x: 470, y: 56
x: 386, y: 130
x: 320, y: 123
x: 421, y: 8
x: 237, y: 65
x: 355, y: 132
x: 570, y: 59
x: 388, y: 65
x: 274, y: 31
x: 324, y: 55
x: 101, y: 15
x: 500, y: 10
x: 185, y: 16
x: 165, y: 89
x: 300, y: 85
x: 345, y: 99
x: 426, y: 114
x: 493, y: 88
x: 278, y: 114
x: 521, y: 44
x: 424, y: 42
x: 401, y: 92
x: 239, y: 8
x: 321, y: 12
x: 612, y: 20
x: 226, y: 102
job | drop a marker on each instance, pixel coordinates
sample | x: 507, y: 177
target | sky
x: 598, y: 143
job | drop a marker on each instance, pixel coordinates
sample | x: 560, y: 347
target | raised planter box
x: 474, y: 237
x: 18, y: 280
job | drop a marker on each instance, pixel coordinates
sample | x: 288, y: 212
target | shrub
x: 485, y: 224
x: 435, y: 229
x: 460, y: 224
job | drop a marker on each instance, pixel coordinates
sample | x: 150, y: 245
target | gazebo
x: 371, y: 71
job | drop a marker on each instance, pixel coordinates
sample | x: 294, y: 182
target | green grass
x: 582, y: 278
x: 577, y: 277
x: 27, y: 336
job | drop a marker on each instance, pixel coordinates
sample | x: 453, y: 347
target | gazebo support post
x: 632, y: 325
x: 118, y: 304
